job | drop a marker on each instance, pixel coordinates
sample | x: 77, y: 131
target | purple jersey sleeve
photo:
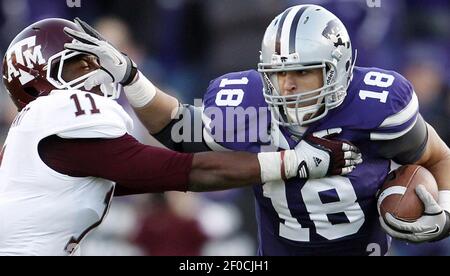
x: 235, y: 114
x: 380, y: 102
x: 398, y: 111
x: 401, y: 110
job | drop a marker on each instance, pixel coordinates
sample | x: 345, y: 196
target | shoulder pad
x: 235, y: 113
x: 79, y: 114
x: 385, y: 102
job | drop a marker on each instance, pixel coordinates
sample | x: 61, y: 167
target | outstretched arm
x: 139, y: 168
x: 154, y: 108
x: 219, y: 170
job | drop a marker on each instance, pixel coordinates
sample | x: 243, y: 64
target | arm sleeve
x: 136, y: 168
x: 185, y: 132
x: 401, y: 133
x: 408, y: 148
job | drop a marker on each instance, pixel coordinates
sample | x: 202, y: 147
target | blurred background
x: 183, y: 44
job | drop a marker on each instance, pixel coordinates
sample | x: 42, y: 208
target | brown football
x: 398, y: 197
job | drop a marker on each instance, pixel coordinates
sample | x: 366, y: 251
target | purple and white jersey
x: 329, y: 216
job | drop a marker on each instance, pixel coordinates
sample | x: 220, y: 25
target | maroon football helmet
x: 33, y: 63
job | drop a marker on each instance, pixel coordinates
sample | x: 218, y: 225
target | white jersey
x: 43, y: 212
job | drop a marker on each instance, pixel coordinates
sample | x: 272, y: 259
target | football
x: 398, y: 197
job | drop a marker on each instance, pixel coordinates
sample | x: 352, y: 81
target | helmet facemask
x: 55, y: 66
x: 306, y: 107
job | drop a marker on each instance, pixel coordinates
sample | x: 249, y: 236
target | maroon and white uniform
x: 60, y: 164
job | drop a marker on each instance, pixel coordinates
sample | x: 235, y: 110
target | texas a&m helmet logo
x: 21, y: 58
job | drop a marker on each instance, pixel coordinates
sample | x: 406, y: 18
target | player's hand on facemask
x: 116, y: 67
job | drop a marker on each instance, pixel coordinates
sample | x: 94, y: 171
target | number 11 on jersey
x: 80, y: 111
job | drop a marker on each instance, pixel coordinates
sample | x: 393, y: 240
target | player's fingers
x: 82, y: 37
x: 92, y: 82
x: 431, y: 206
x: 100, y: 52
x: 83, y: 48
x: 413, y: 227
x: 100, y: 77
x: 347, y: 170
x: 397, y: 224
x: 352, y: 155
x: 349, y: 146
x: 391, y: 232
x: 351, y: 162
x: 88, y: 29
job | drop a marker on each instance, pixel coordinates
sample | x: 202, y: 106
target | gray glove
x: 116, y: 67
x: 434, y: 225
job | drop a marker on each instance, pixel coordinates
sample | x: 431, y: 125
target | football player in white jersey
x: 68, y: 152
